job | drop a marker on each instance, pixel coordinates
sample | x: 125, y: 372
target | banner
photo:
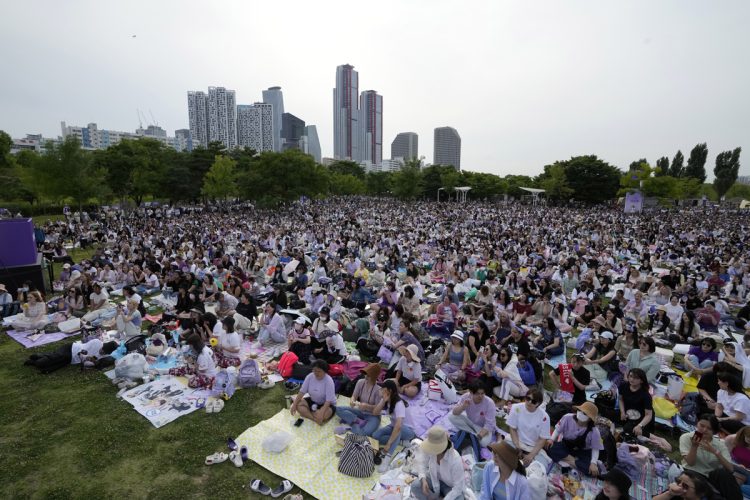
x: 566, y: 381
x: 633, y: 202
x: 164, y: 400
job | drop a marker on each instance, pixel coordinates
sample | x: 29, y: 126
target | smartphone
x: 698, y: 434
x: 299, y: 422
x: 633, y: 448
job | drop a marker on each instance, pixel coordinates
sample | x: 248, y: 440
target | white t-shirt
x: 336, y: 343
x: 530, y: 426
x: 737, y: 402
x: 99, y: 297
x: 152, y: 281
x: 92, y: 348
x: 400, y: 412
x: 232, y: 341
x: 205, y: 362
x: 410, y: 369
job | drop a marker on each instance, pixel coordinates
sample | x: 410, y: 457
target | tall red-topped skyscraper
x: 346, y: 132
x: 371, y: 127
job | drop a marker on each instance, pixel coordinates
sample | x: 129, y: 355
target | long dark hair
x: 390, y: 405
x: 686, y: 330
x: 733, y: 381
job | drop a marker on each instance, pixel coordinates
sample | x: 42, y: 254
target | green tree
x: 407, y: 182
x: 555, y: 183
x: 135, y: 168
x: 662, y: 167
x: 738, y: 191
x: 514, y: 184
x: 726, y: 170
x: 592, y: 180
x: 634, y: 165
x: 220, y: 180
x: 348, y: 167
x: 346, y: 184
x: 696, y: 164
x: 378, y: 183
x: 432, y: 180
x: 9, y: 174
x: 675, y: 170
x: 273, y: 178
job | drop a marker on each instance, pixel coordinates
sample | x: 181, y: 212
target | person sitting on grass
x: 576, y: 441
x: 706, y: 455
x: 358, y: 416
x: 529, y: 425
x: 299, y: 338
x: 732, y: 404
x: 455, y: 358
x: 579, y: 375
x: 505, y: 477
x: 128, y: 319
x: 442, y: 472
x: 701, y: 359
x: 228, y: 349
x: 636, y: 405
x: 202, y: 371
x: 616, y: 486
x: 97, y: 303
x: 475, y: 414
x: 409, y: 372
x: 316, y: 400
x: 398, y: 429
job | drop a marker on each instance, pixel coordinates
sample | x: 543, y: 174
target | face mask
x: 582, y: 417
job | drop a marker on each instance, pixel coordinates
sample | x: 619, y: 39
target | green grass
x: 66, y: 435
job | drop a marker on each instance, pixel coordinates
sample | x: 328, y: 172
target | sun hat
x: 506, y: 452
x: 589, y: 409
x: 661, y: 308
x: 414, y: 351
x: 66, y: 266
x: 607, y: 335
x: 372, y: 370
x: 599, y: 320
x: 436, y: 440
x: 300, y: 320
x: 458, y: 334
x: 2, y: 288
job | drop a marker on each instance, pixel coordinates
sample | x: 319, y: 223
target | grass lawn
x: 66, y: 435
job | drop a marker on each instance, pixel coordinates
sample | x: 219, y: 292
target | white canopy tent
x: 461, y: 193
x: 534, y: 193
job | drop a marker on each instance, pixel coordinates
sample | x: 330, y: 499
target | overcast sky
x: 524, y: 83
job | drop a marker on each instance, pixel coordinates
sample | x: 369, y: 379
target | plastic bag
x: 536, y: 475
x: 131, y: 366
x: 277, y: 442
x: 664, y: 408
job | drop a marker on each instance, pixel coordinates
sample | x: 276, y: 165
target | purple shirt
x: 482, y: 414
x: 320, y: 391
x: 567, y: 428
x: 702, y: 355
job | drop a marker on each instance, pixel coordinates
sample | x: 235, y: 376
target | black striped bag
x: 357, y: 457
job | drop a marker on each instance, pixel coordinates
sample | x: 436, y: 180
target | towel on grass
x: 30, y: 340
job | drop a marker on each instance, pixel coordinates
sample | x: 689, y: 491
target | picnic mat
x: 163, y: 401
x: 264, y: 353
x: 43, y: 339
x: 646, y: 487
x: 310, y: 460
x: 425, y: 412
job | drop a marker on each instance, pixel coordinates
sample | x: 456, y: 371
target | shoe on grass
x: 258, y: 486
x: 284, y: 487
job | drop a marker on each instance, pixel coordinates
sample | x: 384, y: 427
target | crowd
x: 508, y: 288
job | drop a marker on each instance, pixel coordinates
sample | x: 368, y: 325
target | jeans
x: 384, y: 433
x: 706, y: 363
x: 462, y: 423
x: 416, y: 490
x: 143, y: 290
x: 560, y: 450
x: 349, y: 415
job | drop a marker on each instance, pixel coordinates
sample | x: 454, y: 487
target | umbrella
x: 295, y: 313
x: 290, y: 267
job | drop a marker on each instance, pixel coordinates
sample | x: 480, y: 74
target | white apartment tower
x: 346, y: 114
x: 198, y: 117
x: 255, y: 126
x: 222, y: 116
x: 275, y: 97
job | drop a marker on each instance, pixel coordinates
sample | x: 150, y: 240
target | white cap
x: 300, y: 320
x: 607, y: 335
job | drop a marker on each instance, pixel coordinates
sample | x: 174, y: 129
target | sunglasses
x: 531, y: 400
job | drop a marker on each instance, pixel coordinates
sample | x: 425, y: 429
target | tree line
x: 146, y: 168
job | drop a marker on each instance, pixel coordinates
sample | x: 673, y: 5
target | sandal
x: 210, y: 407
x: 231, y: 444
x: 243, y: 453
x: 258, y: 486
x: 216, y: 458
x: 218, y: 405
x: 282, y: 488
x: 295, y: 496
x: 236, y: 459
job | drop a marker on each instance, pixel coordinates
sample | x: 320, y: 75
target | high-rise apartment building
x: 255, y: 126
x: 292, y: 130
x: 371, y: 127
x: 447, y: 147
x: 346, y: 114
x: 222, y: 116
x: 275, y: 98
x: 311, y: 143
x: 198, y: 117
x: 406, y: 146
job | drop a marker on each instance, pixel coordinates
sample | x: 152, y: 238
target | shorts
x: 310, y: 404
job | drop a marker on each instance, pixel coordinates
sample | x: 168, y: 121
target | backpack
x: 689, y: 408
x: 357, y: 457
x: 136, y: 344
x: 223, y: 385
x: 286, y: 364
x: 300, y: 371
x: 249, y: 375
x: 335, y: 370
x: 605, y: 402
x: 556, y: 411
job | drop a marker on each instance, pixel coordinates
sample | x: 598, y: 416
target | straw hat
x: 599, y: 320
x: 372, y: 370
x: 589, y: 409
x: 506, y: 452
x: 436, y: 441
x: 414, y: 351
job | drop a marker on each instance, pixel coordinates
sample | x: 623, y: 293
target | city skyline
x: 524, y: 84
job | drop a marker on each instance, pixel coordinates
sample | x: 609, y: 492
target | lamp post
x: 438, y: 193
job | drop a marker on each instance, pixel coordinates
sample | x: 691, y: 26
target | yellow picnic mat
x: 310, y: 460
x: 691, y: 383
